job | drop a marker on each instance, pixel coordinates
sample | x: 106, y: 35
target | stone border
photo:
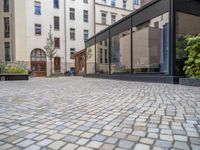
x: 189, y: 82
x: 138, y: 77
x: 11, y: 77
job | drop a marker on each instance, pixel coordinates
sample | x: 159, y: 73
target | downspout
x: 65, y: 34
x: 94, y: 17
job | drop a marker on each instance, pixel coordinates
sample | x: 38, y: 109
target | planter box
x: 189, y: 82
x: 10, y: 77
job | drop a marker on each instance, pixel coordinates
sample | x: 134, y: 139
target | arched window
x: 38, y: 55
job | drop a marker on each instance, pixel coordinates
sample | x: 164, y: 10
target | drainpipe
x: 65, y: 34
x: 94, y: 17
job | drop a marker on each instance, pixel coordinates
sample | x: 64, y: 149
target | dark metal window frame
x: 146, y: 13
x: 6, y: 5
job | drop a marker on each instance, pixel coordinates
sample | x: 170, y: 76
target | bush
x: 2, y: 68
x: 15, y: 70
x: 192, y: 64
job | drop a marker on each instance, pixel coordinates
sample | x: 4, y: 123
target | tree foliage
x: 50, y: 48
x: 192, y: 65
x: 50, y: 45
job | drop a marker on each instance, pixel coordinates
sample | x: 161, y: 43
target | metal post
x: 95, y: 52
x: 172, y: 39
x: 85, y: 59
x: 110, y: 53
x: 131, y: 47
x: 65, y: 30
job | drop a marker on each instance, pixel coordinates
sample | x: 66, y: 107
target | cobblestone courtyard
x: 84, y: 114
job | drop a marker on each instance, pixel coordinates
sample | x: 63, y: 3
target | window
x: 85, y: 35
x: 85, y: 1
x: 106, y: 56
x: 6, y: 27
x: 37, y: 8
x: 136, y: 2
x: 101, y: 55
x: 72, y: 34
x: 156, y: 24
x: 6, y: 5
x: 56, y: 23
x: 113, y: 19
x: 38, y: 30
x: 103, y: 18
x: 7, y: 51
x: 85, y: 15
x: 104, y: 1
x: 124, y: 4
x: 72, y: 14
x: 72, y: 51
x: 57, y: 42
x: 113, y: 3
x: 56, y: 3
x: 105, y: 43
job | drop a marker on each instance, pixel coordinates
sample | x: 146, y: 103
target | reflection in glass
x: 90, y: 59
x: 120, y: 53
x: 151, y: 46
x: 186, y: 24
x: 102, y: 57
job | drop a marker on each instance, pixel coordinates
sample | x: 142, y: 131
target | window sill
x: 38, y: 34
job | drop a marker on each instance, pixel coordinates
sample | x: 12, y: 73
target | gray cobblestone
x: 85, y: 114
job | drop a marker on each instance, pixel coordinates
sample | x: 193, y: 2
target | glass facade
x: 102, y: 57
x: 151, y: 46
x: 90, y: 60
x: 186, y: 24
x: 150, y: 41
x: 120, y: 53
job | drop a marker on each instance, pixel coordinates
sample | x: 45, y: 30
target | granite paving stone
x: 88, y: 114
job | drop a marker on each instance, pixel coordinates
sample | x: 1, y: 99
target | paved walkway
x: 84, y: 114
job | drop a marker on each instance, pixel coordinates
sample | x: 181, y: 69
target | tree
x: 192, y: 65
x: 50, y: 48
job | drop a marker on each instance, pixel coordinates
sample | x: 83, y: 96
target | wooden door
x: 38, y: 63
x: 39, y: 68
x: 57, y: 64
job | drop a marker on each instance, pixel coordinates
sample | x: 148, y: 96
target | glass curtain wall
x: 120, y: 53
x: 186, y: 24
x: 102, y: 57
x: 90, y: 60
x: 151, y: 46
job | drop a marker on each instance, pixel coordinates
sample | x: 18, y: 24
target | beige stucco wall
x: 119, y: 11
x: 11, y: 38
x: 20, y: 37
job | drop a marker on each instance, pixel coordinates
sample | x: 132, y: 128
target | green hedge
x: 12, y: 69
x: 192, y: 65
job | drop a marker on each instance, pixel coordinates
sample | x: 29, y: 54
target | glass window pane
x: 90, y: 59
x: 120, y: 53
x: 102, y: 57
x: 187, y: 24
x: 151, y: 46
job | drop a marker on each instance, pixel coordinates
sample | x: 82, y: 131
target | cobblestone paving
x: 85, y: 114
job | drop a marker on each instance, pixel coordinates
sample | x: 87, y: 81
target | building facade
x: 144, y: 2
x: 25, y: 25
x: 145, y: 45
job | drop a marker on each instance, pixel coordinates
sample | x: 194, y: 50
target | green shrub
x: 192, y: 65
x: 15, y: 70
x: 2, y: 68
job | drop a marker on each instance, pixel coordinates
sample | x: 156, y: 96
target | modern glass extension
x: 149, y: 41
